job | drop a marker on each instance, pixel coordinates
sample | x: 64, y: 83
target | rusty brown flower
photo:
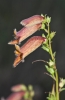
x: 24, y: 33
x: 31, y: 45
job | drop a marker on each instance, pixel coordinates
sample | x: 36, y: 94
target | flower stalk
x: 56, y: 73
x: 31, y: 25
x: 52, y: 59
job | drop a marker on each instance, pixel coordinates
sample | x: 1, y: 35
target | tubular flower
x: 32, y: 44
x: 36, y: 19
x: 24, y: 33
x: 16, y: 96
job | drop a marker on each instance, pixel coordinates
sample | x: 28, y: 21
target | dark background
x: 11, y: 13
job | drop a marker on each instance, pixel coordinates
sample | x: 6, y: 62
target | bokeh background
x: 11, y: 13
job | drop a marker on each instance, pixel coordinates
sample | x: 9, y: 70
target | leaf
x: 45, y: 48
x: 47, y: 67
x: 30, y: 88
x: 54, y: 54
x: 50, y: 70
x: 62, y: 89
x: 26, y: 95
x: 51, y: 96
x: 52, y: 34
x: 43, y: 26
x: 43, y: 35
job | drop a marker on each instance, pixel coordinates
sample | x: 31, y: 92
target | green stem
x: 51, y: 53
x: 57, y: 92
x: 52, y: 56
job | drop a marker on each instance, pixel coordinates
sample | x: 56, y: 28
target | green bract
x: 48, y: 19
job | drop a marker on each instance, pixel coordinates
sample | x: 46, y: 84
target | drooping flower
x: 32, y: 44
x: 36, y: 19
x: 24, y: 33
x: 16, y: 96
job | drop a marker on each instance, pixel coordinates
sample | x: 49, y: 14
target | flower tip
x: 10, y: 42
x: 22, y: 23
x: 13, y: 42
x: 18, y: 59
x: 15, y: 31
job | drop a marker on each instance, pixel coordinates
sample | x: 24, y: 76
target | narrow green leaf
x: 30, y: 88
x: 54, y: 54
x: 26, y: 95
x: 43, y: 26
x: 62, y: 89
x: 45, y: 48
x: 43, y: 35
x: 50, y: 70
x: 47, y: 68
x: 52, y: 34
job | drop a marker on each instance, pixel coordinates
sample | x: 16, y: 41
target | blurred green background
x: 11, y: 13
